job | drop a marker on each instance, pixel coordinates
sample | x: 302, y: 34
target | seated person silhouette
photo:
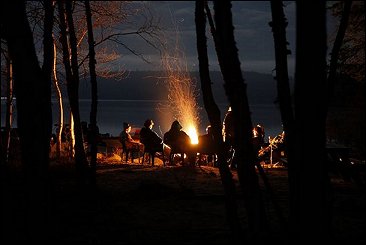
x: 129, y: 145
x: 206, y: 145
x: 180, y: 143
x: 152, y: 141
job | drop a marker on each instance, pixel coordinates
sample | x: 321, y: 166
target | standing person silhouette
x: 229, y: 138
x: 258, y: 138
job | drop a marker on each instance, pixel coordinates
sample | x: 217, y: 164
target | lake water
x: 112, y: 113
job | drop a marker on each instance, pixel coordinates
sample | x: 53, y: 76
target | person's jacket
x: 150, y: 138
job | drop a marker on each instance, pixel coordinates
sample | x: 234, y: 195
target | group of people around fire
x: 177, y: 141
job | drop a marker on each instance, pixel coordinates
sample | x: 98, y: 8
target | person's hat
x: 176, y: 125
x: 208, y: 129
x: 126, y: 125
x: 148, y: 123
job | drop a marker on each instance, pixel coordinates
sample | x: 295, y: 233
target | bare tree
x: 109, y: 18
x: 94, y: 92
x: 213, y: 113
x: 310, y: 194
x: 32, y: 87
x: 60, y: 120
x: 235, y: 89
x: 346, y: 78
x: 72, y: 77
x: 279, y: 24
x: 111, y: 25
x: 337, y: 47
x: 351, y: 56
x: 9, y: 111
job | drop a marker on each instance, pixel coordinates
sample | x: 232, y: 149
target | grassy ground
x: 140, y: 204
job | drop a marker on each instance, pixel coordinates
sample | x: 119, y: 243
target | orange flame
x: 192, y: 132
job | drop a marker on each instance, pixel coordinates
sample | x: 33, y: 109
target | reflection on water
x: 112, y: 113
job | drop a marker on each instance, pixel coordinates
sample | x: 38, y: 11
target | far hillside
x: 148, y: 85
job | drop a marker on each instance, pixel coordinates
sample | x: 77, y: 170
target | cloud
x: 253, y: 35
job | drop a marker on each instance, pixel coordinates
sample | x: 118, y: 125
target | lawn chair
x: 130, y: 153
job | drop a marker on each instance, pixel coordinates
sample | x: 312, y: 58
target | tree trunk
x: 60, y: 120
x: 337, y: 47
x: 72, y: 77
x: 279, y: 24
x: 73, y: 91
x: 94, y: 93
x: 310, y: 196
x: 32, y: 90
x: 236, y: 91
x: 48, y: 55
x: 9, y: 111
x: 213, y: 113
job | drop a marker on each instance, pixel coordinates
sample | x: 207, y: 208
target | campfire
x: 182, y: 93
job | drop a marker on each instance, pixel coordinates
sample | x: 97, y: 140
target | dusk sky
x: 252, y: 33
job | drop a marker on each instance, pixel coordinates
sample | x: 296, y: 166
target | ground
x: 141, y: 204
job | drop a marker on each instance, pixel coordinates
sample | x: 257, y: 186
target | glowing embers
x: 182, y: 92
